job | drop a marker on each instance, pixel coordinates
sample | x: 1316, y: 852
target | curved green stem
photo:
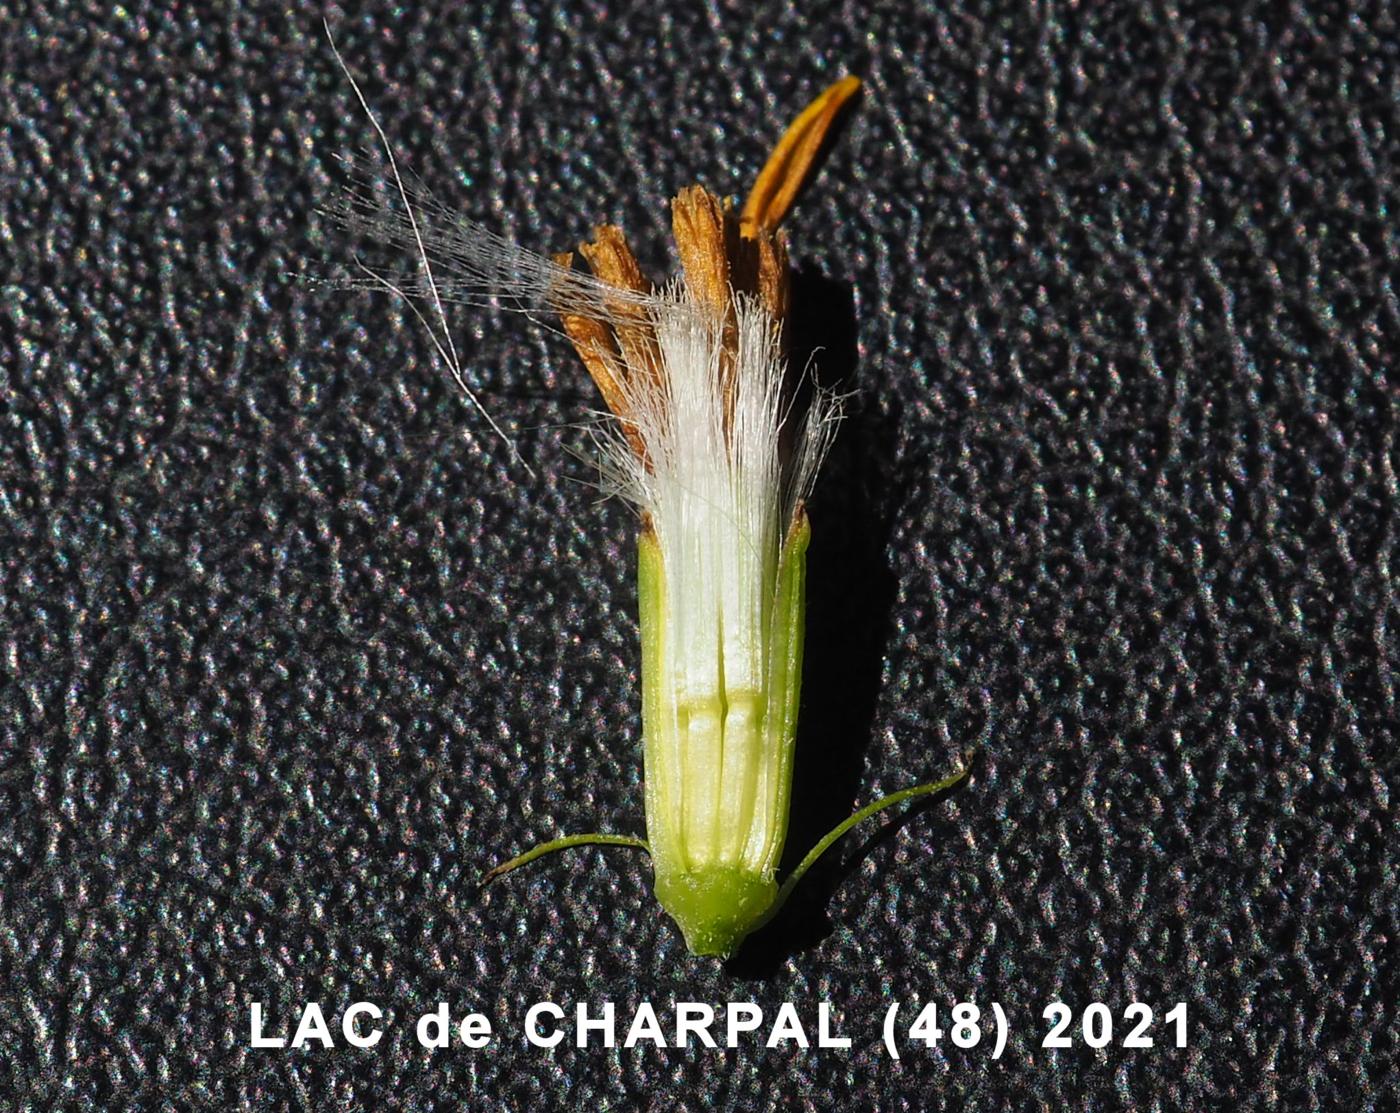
x: 564, y: 844
x: 832, y: 836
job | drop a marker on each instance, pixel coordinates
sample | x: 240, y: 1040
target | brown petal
x: 793, y: 159
x: 611, y: 259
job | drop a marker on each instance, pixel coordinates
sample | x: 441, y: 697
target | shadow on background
x: 850, y: 598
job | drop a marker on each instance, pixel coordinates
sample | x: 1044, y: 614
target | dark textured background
x: 291, y: 652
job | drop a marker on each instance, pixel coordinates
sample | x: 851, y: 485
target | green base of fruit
x: 716, y: 908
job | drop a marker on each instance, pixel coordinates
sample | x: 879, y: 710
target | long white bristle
x: 715, y: 481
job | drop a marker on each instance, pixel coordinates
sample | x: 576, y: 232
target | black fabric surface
x: 291, y: 651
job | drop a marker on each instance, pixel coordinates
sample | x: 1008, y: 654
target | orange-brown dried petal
x: 698, y: 224
x: 596, y: 347
x: 611, y: 259
x: 771, y: 280
x: 793, y: 159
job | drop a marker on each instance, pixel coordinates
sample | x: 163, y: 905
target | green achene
x: 719, y: 885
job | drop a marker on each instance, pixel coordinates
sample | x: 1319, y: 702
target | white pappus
x: 709, y: 444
